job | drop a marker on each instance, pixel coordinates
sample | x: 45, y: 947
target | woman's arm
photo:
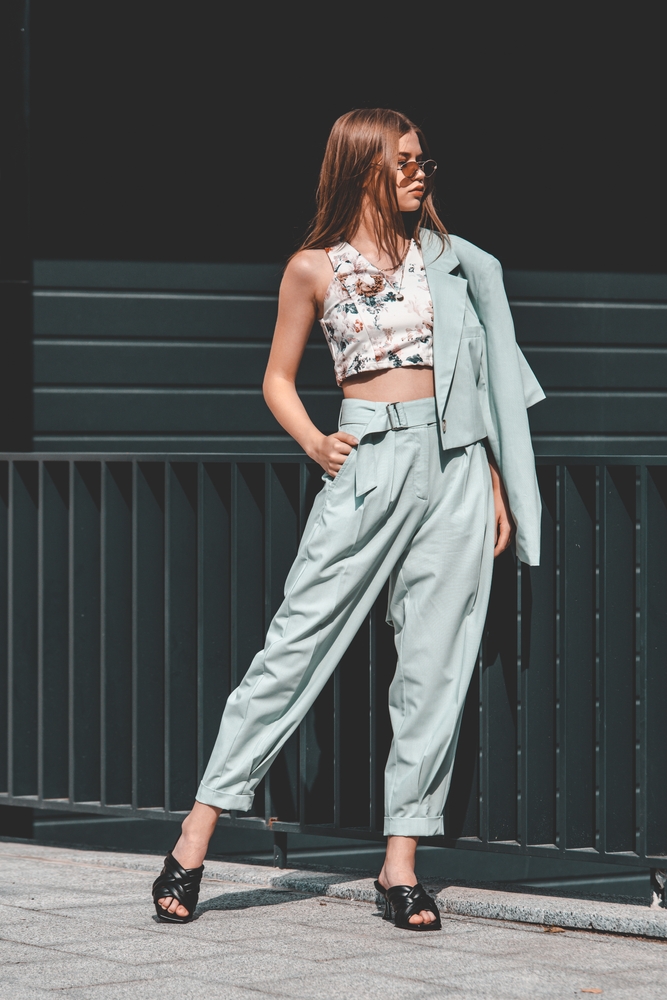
x: 302, y: 290
x: 504, y: 520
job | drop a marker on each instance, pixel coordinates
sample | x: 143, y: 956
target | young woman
x: 429, y: 475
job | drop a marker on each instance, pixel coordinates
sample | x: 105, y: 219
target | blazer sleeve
x: 532, y: 390
x: 510, y: 388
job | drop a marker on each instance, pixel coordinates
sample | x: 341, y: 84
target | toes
x: 171, y: 905
x: 424, y: 917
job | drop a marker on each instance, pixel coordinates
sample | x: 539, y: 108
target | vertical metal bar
x: 116, y: 596
x: 372, y: 724
x: 85, y: 625
x: 234, y: 560
x: 303, y: 772
x: 180, y: 639
x: 578, y: 663
x: 23, y: 674
x: 70, y: 633
x: 269, y: 504
x: 651, y: 679
x: 200, y: 618
x: 214, y: 505
x: 336, y: 749
x: 135, y: 652
x: 303, y: 728
x: 11, y: 472
x: 641, y: 652
x: 40, y: 633
x: 104, y: 487
x: 271, y: 808
x: 598, y: 699
x: 4, y: 607
x: 52, y: 637
x: 167, y: 627
x: 617, y: 654
x: 150, y: 632
x: 560, y: 625
x: 484, y: 819
x: 521, y: 716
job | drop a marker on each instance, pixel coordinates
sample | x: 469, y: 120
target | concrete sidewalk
x: 80, y: 924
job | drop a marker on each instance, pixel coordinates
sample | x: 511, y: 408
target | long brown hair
x: 359, y: 141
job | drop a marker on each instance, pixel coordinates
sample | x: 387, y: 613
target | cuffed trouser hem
x: 222, y: 800
x: 420, y: 826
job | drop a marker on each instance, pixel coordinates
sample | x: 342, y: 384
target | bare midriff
x: 391, y: 385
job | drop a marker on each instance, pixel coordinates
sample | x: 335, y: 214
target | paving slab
x: 80, y: 924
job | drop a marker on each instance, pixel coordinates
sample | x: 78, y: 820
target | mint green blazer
x: 505, y: 385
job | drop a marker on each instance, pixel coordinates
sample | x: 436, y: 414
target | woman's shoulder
x: 308, y: 270
x: 308, y: 265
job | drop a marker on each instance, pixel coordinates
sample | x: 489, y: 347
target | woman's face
x: 409, y: 190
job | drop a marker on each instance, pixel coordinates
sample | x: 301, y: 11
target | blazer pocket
x: 473, y: 340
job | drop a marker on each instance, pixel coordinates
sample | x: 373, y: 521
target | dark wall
x: 194, y: 131
x: 15, y: 250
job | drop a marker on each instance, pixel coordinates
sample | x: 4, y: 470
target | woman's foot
x: 191, y: 847
x: 399, y: 869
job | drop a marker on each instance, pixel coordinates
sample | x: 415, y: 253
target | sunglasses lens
x: 429, y: 167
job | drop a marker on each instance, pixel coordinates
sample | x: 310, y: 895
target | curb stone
x: 468, y: 901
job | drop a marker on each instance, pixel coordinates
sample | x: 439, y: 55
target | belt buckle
x: 394, y: 417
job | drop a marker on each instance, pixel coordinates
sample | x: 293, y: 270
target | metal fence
x: 137, y: 588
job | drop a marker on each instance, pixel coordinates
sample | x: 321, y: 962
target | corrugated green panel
x: 617, y: 445
x: 578, y: 323
x: 586, y: 286
x: 243, y: 317
x: 118, y: 362
x: 266, y: 278
x: 601, y: 413
x: 120, y: 274
x: 170, y: 410
x: 202, y: 334
x: 153, y: 314
x: 599, y: 367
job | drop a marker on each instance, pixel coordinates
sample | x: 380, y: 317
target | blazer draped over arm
x: 506, y: 385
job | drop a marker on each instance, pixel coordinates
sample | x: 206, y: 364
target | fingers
x: 338, y: 447
x: 503, y: 535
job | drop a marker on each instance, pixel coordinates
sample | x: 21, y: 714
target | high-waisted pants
x: 401, y: 509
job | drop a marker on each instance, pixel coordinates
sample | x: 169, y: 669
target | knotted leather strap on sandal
x: 408, y: 900
x: 180, y: 883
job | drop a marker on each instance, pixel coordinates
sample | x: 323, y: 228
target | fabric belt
x: 377, y: 418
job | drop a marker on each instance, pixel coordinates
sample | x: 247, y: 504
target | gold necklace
x: 374, y: 289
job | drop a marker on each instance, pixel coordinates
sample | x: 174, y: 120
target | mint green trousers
x: 401, y: 509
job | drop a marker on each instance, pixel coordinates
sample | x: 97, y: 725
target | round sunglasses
x: 411, y: 167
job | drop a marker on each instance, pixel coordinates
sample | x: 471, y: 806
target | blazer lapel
x: 448, y: 294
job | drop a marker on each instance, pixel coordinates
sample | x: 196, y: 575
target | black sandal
x: 403, y: 901
x: 180, y: 883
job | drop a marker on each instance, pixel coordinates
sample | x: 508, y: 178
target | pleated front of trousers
x: 401, y: 509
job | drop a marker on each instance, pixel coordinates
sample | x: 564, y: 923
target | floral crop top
x: 371, y: 321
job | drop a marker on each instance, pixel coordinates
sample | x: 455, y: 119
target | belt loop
x: 396, y: 416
